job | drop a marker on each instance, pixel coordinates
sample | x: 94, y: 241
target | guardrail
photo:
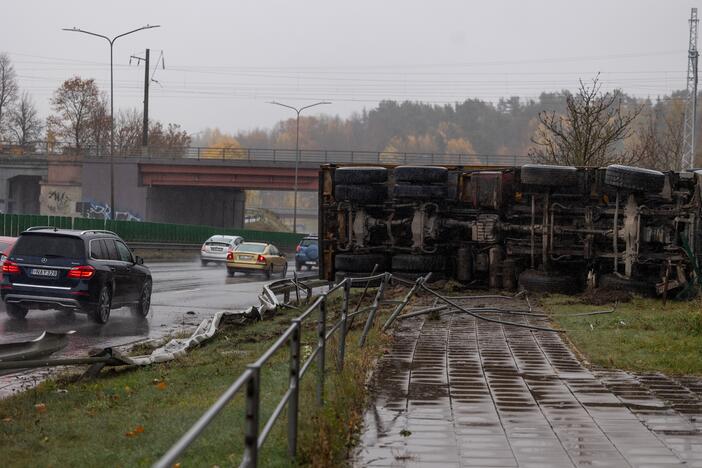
x: 250, y: 379
x: 140, y: 231
x: 44, y: 149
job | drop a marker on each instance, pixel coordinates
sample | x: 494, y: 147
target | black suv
x: 84, y: 271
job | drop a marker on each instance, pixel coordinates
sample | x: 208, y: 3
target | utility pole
x: 145, y: 131
x: 688, y: 154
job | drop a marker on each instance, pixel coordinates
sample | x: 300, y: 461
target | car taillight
x: 10, y: 267
x: 261, y: 259
x: 81, y: 272
x: 298, y: 248
x: 230, y: 256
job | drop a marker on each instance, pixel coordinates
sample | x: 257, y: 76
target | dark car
x: 83, y: 271
x: 307, y: 253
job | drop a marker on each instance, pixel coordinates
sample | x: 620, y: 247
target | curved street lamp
x: 113, y: 210
x: 297, y: 147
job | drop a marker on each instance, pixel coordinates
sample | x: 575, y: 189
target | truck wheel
x: 540, y: 282
x: 15, y: 311
x: 548, y: 176
x: 421, y: 174
x: 634, y: 178
x: 418, y: 263
x: 632, y: 285
x: 420, y: 192
x: 372, y: 193
x: 361, y: 263
x: 360, y: 175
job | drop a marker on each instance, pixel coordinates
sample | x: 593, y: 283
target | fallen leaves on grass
x: 160, y: 384
x: 40, y: 408
x: 7, y: 419
x: 139, y: 429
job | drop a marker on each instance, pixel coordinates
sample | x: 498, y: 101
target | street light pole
x: 297, y: 148
x: 113, y: 209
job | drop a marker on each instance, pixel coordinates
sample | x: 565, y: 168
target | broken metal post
x: 294, y: 389
x: 374, y: 310
x: 321, y: 344
x: 253, y: 390
x: 420, y: 281
x: 343, y: 331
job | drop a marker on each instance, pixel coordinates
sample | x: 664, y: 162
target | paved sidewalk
x: 465, y: 392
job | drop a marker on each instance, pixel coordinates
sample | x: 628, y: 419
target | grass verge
x: 130, y: 417
x: 641, y: 335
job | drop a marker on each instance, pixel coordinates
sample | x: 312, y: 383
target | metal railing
x: 250, y: 380
x: 253, y: 155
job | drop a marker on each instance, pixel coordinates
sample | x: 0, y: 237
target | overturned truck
x: 545, y: 228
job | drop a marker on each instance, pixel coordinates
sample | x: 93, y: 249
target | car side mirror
x: 139, y: 260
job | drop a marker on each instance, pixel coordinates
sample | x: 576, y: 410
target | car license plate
x: 216, y: 249
x: 310, y: 263
x: 44, y: 272
x: 245, y: 257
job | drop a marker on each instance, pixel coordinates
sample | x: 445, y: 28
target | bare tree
x: 8, y: 89
x: 24, y: 122
x: 128, y: 130
x: 589, y: 134
x: 657, y: 143
x: 80, y: 113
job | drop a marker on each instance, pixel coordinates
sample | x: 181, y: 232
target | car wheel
x: 298, y: 266
x: 269, y: 272
x: 230, y: 272
x: 101, y: 312
x: 203, y: 263
x: 16, y: 311
x: 541, y: 282
x: 144, y: 304
x: 285, y: 269
x: 634, y: 178
x: 548, y: 176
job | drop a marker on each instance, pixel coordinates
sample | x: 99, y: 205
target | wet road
x: 184, y: 294
x: 464, y: 392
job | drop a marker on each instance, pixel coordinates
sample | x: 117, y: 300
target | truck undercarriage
x: 546, y: 228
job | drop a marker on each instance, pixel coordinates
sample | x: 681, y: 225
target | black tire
x: 16, y: 311
x: 269, y: 272
x: 203, y: 263
x: 418, y: 263
x: 540, y: 282
x: 420, y: 192
x: 632, y: 285
x: 421, y: 174
x: 230, y: 272
x: 298, y: 266
x: 142, y: 307
x: 101, y: 312
x: 360, y: 175
x: 361, y: 263
x: 549, y: 176
x: 372, y: 193
x: 285, y: 270
x: 634, y: 178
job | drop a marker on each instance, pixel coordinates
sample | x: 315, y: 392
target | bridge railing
x: 44, y: 149
x: 12, y: 225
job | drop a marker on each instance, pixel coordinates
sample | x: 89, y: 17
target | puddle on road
x: 462, y: 392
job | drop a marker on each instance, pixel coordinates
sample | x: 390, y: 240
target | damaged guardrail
x: 250, y: 380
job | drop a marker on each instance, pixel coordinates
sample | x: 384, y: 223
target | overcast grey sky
x: 224, y: 60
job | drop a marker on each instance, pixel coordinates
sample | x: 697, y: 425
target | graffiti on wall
x: 97, y: 210
x: 58, y: 201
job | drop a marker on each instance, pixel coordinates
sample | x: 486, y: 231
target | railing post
x: 294, y: 389
x: 420, y: 281
x: 321, y: 344
x: 198, y: 153
x: 342, y: 331
x: 253, y: 391
x: 373, y: 311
